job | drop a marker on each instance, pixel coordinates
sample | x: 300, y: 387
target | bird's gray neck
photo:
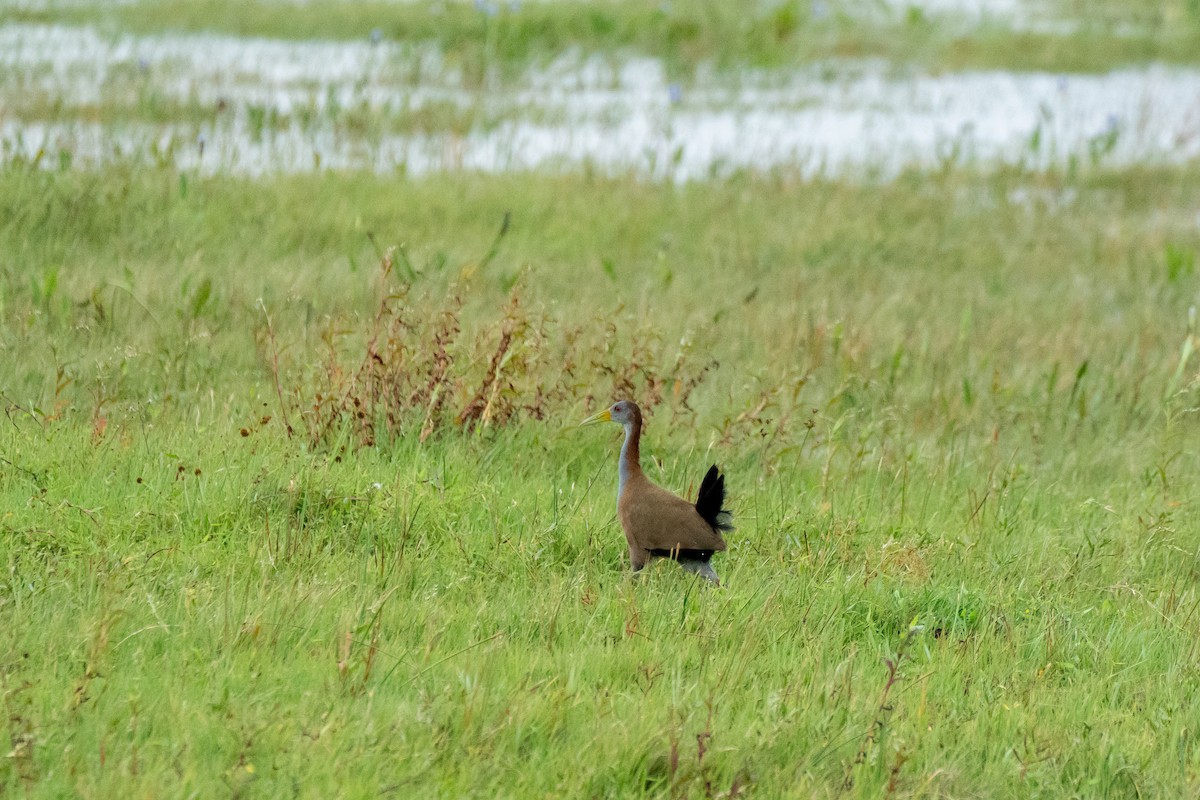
x: 630, y: 463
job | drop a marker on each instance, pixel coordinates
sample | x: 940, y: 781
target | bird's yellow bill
x: 600, y: 416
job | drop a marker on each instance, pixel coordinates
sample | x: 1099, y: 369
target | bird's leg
x: 638, y: 558
x: 701, y: 568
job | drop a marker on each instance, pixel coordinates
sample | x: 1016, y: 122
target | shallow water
x: 837, y: 118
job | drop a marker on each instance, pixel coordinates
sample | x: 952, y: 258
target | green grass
x: 153, y: 107
x: 684, y: 33
x: 1107, y: 12
x: 956, y: 411
x: 958, y: 428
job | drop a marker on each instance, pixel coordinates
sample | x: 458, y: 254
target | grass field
x: 501, y: 35
x: 293, y: 501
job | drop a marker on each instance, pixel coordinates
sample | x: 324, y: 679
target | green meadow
x: 293, y: 500
x: 503, y: 35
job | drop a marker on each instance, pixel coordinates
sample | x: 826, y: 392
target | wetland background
x: 300, y: 304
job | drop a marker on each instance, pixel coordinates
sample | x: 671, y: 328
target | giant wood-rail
x: 659, y: 524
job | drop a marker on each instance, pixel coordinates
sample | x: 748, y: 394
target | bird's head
x: 622, y: 412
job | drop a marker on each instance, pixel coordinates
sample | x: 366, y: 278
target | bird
x: 657, y: 523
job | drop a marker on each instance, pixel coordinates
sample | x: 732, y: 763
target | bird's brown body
x: 657, y: 523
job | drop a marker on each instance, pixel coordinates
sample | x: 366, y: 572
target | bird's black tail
x: 710, y: 500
